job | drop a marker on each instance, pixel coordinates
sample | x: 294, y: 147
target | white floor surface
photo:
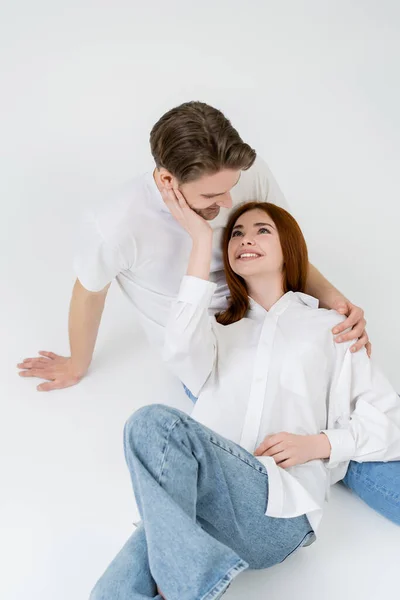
x: 67, y: 505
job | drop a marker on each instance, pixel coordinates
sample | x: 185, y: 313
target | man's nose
x: 226, y: 201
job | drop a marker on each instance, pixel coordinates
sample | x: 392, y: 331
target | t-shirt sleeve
x: 271, y: 190
x: 258, y: 184
x: 100, y: 256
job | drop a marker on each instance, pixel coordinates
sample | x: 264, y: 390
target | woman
x: 281, y: 410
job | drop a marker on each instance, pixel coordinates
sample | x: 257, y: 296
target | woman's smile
x: 246, y: 256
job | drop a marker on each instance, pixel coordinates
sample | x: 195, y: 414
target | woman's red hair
x: 295, y: 259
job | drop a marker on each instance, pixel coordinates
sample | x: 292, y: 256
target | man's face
x: 207, y: 194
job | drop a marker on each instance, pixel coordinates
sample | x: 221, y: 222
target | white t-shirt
x: 135, y: 239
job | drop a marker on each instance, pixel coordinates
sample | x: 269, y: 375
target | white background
x: 314, y: 86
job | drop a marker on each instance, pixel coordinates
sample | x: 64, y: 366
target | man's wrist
x: 78, y: 370
x: 319, y: 287
x: 339, y: 299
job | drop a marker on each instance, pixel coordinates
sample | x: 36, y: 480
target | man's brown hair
x: 195, y: 139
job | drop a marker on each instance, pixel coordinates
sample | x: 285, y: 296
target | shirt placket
x: 259, y: 383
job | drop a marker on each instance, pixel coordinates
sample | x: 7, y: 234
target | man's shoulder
x: 130, y: 196
x: 258, y: 184
x: 124, y: 207
x: 252, y: 182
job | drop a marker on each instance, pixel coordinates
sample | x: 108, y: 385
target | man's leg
x: 189, y: 394
x: 378, y: 484
x: 202, y: 501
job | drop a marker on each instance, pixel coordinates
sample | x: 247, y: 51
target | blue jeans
x: 377, y: 483
x: 189, y: 394
x: 202, y: 500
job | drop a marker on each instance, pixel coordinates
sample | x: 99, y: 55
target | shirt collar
x: 307, y: 300
x: 257, y: 311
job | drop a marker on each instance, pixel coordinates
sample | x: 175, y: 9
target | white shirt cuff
x: 196, y: 291
x: 343, y: 446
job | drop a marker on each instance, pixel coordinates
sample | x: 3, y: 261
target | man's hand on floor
x: 58, y: 370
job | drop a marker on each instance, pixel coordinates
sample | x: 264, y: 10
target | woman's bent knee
x: 144, y: 424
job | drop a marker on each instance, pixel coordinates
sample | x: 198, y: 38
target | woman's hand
x: 194, y: 224
x: 199, y: 230
x: 290, y: 449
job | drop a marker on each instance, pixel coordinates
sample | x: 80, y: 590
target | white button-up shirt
x: 281, y: 370
x: 134, y: 238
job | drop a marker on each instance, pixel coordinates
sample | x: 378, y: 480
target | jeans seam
x: 165, y: 449
x: 299, y: 545
x: 240, y: 566
x: 259, y: 469
x: 381, y: 488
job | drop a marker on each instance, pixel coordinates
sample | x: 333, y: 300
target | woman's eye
x: 264, y: 230
x: 236, y: 233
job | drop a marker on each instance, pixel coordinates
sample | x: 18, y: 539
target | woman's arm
x: 190, y: 343
x: 364, y: 421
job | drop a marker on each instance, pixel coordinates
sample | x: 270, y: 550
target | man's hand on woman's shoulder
x: 355, y: 322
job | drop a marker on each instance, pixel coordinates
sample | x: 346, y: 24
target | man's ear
x: 167, y: 180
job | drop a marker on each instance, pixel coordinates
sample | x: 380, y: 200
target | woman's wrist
x: 200, y: 256
x: 322, y: 446
x: 203, y: 239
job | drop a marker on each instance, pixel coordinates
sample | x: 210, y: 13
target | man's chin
x: 207, y: 214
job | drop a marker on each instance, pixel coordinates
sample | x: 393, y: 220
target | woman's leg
x: 202, y: 500
x: 378, y: 484
x: 128, y: 576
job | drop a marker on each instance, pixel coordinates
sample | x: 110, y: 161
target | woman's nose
x: 247, y: 241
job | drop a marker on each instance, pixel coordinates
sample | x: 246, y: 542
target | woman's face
x: 254, y: 247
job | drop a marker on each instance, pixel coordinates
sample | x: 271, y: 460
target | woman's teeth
x: 249, y: 255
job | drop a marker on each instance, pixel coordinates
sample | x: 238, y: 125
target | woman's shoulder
x: 312, y: 318
x: 327, y: 317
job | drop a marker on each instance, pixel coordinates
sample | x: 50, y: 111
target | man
x: 137, y: 241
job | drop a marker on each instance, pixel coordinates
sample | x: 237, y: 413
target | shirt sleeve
x: 190, y: 343
x: 100, y: 257
x: 365, y: 412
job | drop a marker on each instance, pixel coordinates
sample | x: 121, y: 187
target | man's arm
x: 86, y: 309
x: 330, y: 297
x: 318, y: 286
